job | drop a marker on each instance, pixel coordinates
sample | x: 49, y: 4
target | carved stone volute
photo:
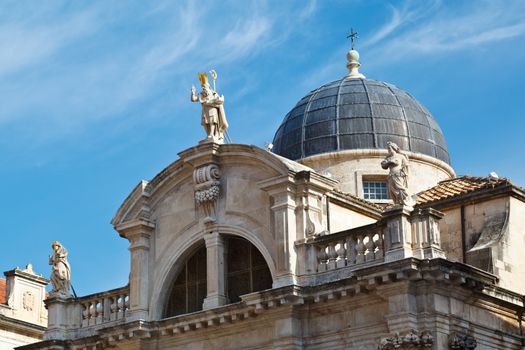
x: 207, y: 189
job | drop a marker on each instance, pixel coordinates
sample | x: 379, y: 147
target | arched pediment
x: 141, y: 201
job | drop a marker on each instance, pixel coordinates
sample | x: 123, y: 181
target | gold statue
x: 213, y: 116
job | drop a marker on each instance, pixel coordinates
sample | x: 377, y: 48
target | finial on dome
x: 353, y: 58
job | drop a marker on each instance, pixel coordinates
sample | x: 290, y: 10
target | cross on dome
x: 352, y: 36
x: 352, y: 56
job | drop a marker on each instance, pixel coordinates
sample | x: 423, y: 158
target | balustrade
x: 104, y: 307
x: 348, y: 248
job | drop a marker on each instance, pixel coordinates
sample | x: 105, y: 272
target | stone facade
x: 381, y: 279
x: 23, y: 317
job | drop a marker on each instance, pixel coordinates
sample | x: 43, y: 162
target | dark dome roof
x: 358, y: 114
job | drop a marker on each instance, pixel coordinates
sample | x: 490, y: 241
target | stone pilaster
x: 216, y: 271
x: 296, y: 212
x: 288, y: 331
x: 402, y: 306
x: 138, y: 233
x: 284, y: 227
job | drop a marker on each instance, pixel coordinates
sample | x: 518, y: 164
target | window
x: 247, y: 269
x: 189, y: 290
x: 375, y: 190
x: 245, y: 272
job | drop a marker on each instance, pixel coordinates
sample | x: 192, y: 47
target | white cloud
x: 445, y: 29
x: 24, y: 44
x: 63, y: 69
x: 308, y: 10
x: 247, y: 36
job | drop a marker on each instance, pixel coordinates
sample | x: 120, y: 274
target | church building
x: 352, y: 232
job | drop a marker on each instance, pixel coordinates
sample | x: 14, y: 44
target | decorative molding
x: 459, y: 341
x: 28, y: 301
x: 409, y: 340
x: 207, y: 189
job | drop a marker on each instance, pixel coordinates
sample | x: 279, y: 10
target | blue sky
x: 95, y: 97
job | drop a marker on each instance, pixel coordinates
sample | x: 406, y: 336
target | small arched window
x: 189, y: 290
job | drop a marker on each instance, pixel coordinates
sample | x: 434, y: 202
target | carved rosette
x: 409, y: 340
x: 207, y: 189
x: 458, y: 341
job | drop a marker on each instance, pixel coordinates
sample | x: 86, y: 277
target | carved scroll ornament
x: 207, y: 189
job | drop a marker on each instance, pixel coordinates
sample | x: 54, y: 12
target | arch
x: 183, y: 248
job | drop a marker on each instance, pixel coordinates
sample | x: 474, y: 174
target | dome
x: 358, y: 113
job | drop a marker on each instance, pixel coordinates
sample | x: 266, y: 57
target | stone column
x: 398, y: 236
x: 138, y: 234
x: 215, y: 270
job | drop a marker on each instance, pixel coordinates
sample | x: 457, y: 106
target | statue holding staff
x: 213, y: 117
x: 60, y: 270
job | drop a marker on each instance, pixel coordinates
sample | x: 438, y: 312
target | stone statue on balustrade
x: 60, y: 271
x: 213, y: 117
x: 398, y: 164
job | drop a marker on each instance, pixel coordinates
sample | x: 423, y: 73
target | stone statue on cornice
x: 397, y: 163
x: 60, y: 270
x: 213, y: 116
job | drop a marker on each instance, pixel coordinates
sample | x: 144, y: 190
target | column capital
x: 130, y: 229
x: 213, y: 238
x: 137, y: 232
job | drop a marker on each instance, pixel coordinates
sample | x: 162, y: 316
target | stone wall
x: 350, y: 167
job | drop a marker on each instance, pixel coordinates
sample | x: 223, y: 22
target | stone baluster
x: 378, y: 241
x: 341, y: 255
x: 100, y: 311
x: 322, y: 258
x: 370, y: 247
x: 107, y: 309
x: 360, y: 250
x: 85, y: 314
x: 351, y: 244
x: 332, y: 256
x: 113, y: 308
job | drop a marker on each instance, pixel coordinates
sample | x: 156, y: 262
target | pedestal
x: 57, y: 317
x: 398, y: 238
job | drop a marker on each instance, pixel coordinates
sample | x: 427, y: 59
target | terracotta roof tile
x: 2, y: 291
x: 458, y: 186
